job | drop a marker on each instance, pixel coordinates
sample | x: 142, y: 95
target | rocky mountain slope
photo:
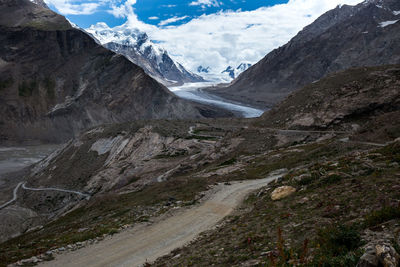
x: 134, y: 171
x: 348, y: 36
x: 56, y: 80
x: 138, y: 48
x: 364, y: 100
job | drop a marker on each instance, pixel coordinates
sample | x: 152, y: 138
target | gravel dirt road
x: 145, y: 243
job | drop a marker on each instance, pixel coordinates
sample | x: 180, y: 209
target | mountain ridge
x: 57, y: 81
x: 347, y: 36
x: 138, y: 48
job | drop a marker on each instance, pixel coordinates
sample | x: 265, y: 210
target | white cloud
x: 171, y: 20
x: 71, y: 7
x: 154, y: 18
x: 124, y: 10
x: 205, y: 3
x: 231, y: 37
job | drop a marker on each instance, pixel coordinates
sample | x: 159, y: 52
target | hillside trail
x: 23, y: 186
x: 146, y: 243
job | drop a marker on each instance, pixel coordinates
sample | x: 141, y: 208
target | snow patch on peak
x: 39, y: 3
x: 141, y: 50
x: 201, y: 69
x: 387, y: 23
x: 396, y: 13
x: 235, y: 72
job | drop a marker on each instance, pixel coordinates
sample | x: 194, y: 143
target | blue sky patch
x: 155, y: 12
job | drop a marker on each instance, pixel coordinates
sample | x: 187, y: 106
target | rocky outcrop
x: 105, y: 159
x: 56, y: 81
x: 379, y: 255
x: 118, y: 158
x: 364, y: 35
x: 379, y: 250
x: 354, y: 100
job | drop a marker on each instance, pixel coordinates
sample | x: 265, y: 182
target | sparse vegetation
x: 305, y: 239
x: 26, y: 89
x: 382, y: 215
x: 5, y: 83
x: 50, y: 86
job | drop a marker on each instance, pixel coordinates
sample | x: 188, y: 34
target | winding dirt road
x: 15, y: 196
x: 142, y: 244
x: 22, y: 184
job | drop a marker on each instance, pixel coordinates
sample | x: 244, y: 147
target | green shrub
x: 350, y: 259
x: 331, y: 179
x: 383, y: 215
x: 339, y: 240
x: 337, y: 246
x: 26, y: 89
x: 392, y: 151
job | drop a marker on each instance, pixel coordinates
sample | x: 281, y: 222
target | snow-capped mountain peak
x: 137, y: 47
x: 201, y: 69
x: 243, y: 66
x: 39, y: 3
x: 235, y: 72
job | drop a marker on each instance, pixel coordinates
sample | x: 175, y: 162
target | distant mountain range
x: 138, y: 48
x: 201, y: 69
x: 367, y: 34
x: 226, y: 75
x: 235, y: 72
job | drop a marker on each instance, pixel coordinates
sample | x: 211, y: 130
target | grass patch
x: 338, y: 240
x: 383, y: 215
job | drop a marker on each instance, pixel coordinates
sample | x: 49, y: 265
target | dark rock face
x: 341, y: 38
x: 56, y: 81
x: 363, y: 100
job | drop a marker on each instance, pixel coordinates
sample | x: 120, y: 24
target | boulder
x: 379, y: 255
x: 282, y: 192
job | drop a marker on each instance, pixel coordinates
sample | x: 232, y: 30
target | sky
x: 210, y: 33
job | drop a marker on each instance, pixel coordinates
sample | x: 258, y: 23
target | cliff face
x: 56, y: 81
x: 364, y: 35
